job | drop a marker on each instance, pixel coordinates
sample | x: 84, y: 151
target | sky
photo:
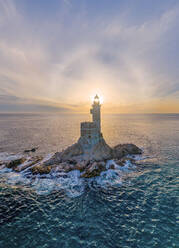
x: 56, y: 54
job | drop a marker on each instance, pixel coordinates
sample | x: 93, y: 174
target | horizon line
x: 67, y: 113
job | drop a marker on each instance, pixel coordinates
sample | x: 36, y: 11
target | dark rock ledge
x: 91, y: 163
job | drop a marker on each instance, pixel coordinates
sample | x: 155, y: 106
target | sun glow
x: 101, y: 99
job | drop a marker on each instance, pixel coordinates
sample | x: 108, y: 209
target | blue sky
x: 56, y: 54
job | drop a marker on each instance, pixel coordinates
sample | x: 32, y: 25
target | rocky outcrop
x: 76, y: 153
x: 90, y: 161
x: 99, y: 152
x: 72, y: 151
x: 123, y: 150
x: 68, y: 154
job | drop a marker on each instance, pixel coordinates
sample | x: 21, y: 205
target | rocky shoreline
x: 75, y: 158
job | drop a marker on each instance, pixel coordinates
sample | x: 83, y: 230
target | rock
x: 75, y: 153
x: 92, y: 167
x: 71, y: 152
x: 66, y: 167
x: 31, y: 150
x: 120, y: 163
x: 128, y: 159
x: 123, y: 150
x: 57, y: 168
x: 72, y: 161
x: 40, y: 169
x: 94, y: 170
x: 34, y: 149
x: 27, y: 150
x: 101, y: 151
x: 28, y: 163
x: 55, y: 159
x: 112, y: 166
x: 14, y: 163
x: 68, y: 155
x: 80, y: 166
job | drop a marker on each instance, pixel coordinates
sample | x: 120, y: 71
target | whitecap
x: 43, y: 186
x: 71, y: 183
x: 4, y: 169
x: 109, y: 163
x: 128, y: 167
x: 109, y: 178
x: 14, y: 178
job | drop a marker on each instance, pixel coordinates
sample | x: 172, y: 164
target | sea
x: 135, y: 206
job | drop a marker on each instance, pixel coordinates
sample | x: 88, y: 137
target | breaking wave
x: 70, y: 183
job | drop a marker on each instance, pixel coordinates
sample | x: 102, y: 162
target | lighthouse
x: 91, y: 131
x: 96, y: 112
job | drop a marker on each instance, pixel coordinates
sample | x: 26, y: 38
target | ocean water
x: 134, y: 206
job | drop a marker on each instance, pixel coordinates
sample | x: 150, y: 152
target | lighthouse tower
x: 91, y: 131
x: 96, y: 113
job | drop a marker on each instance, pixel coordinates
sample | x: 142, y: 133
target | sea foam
x: 70, y: 183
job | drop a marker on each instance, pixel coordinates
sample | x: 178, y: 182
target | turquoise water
x: 134, y: 208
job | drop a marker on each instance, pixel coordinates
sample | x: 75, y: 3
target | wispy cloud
x: 63, y: 60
